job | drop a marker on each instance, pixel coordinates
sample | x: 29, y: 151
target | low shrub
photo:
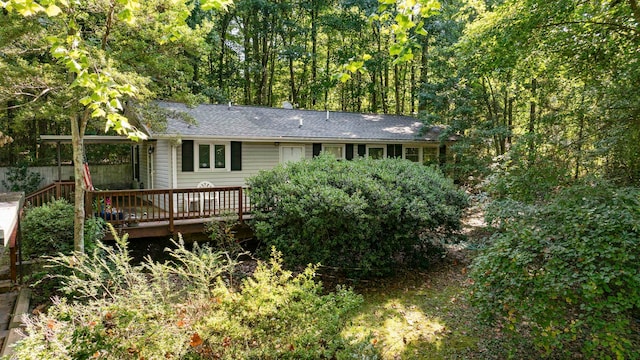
x: 48, y: 229
x: 190, y: 308
x: 565, y: 274
x: 361, y: 215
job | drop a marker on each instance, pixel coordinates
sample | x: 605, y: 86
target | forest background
x: 550, y: 86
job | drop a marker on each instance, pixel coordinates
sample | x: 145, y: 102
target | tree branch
x: 607, y: 24
x: 634, y: 8
x: 108, y: 25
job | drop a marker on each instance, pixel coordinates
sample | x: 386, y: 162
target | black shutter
x: 390, y: 152
x: 443, y: 154
x: 349, y: 152
x: 399, y: 151
x: 362, y: 150
x: 187, y: 155
x: 317, y: 148
x: 236, y: 156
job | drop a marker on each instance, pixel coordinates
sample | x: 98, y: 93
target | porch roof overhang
x: 88, y: 139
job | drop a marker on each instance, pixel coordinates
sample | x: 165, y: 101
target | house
x: 226, y: 144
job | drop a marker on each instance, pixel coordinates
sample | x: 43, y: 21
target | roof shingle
x: 249, y: 122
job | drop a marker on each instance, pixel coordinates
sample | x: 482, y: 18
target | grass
x: 419, y: 315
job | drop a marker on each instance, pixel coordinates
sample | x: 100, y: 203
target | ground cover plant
x: 364, y: 216
x: 194, y: 307
x: 564, y: 274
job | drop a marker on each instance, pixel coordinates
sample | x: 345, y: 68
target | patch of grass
x: 419, y: 316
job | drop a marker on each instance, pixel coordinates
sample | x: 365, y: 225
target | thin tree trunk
x: 424, y: 64
x: 396, y: 78
x: 532, y: 118
x: 314, y: 49
x: 580, y: 140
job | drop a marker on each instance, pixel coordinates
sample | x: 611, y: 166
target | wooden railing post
x: 58, y: 189
x: 171, y: 212
x: 240, y: 205
x: 88, y: 204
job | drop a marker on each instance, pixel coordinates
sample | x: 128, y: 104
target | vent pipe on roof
x: 300, y: 123
x: 327, y: 116
x: 229, y: 108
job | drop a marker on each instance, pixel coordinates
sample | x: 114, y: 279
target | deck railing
x: 55, y: 190
x: 138, y: 206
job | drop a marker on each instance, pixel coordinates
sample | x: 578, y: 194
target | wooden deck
x: 156, y: 212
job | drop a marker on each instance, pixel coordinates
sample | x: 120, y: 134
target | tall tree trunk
x: 424, y: 65
x: 314, y: 49
x: 247, y: 60
x: 224, y: 25
x: 78, y: 127
x: 580, y: 140
x: 413, y: 88
x: 532, y: 119
x: 396, y: 78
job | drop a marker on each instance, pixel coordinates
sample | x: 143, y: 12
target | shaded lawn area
x: 423, y: 315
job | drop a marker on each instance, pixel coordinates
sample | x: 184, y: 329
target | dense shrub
x: 363, y: 214
x: 48, y: 229
x: 190, y: 308
x: 528, y: 178
x: 566, y: 274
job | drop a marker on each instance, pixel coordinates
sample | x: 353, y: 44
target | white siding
x: 161, y: 166
x: 255, y: 157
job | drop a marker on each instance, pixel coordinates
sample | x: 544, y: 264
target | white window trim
x: 404, y: 151
x: 384, y: 149
x: 282, y: 146
x: 196, y: 156
x: 420, y: 151
x: 431, y: 147
x: 344, y: 149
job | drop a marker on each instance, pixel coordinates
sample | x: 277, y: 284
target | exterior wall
x: 161, y: 171
x: 255, y: 157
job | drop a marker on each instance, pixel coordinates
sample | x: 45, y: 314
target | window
x: 212, y: 156
x: 291, y: 153
x: 430, y: 155
x: 220, y: 157
x: 336, y: 149
x: 412, y: 154
x: 376, y: 152
x: 204, y: 156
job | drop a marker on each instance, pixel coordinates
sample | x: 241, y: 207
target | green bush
x: 362, y: 215
x: 190, y: 308
x: 48, y: 229
x: 566, y: 274
x: 521, y: 177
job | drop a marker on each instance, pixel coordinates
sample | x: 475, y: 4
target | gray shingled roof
x: 249, y: 122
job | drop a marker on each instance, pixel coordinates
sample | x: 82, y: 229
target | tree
x: 94, y: 79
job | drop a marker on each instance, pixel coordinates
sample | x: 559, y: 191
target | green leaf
x: 97, y: 113
x: 73, y: 66
x: 207, y: 5
x: 53, y: 10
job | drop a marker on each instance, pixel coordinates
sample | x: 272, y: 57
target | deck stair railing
x: 55, y: 190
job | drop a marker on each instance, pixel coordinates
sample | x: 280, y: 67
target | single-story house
x: 225, y: 144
